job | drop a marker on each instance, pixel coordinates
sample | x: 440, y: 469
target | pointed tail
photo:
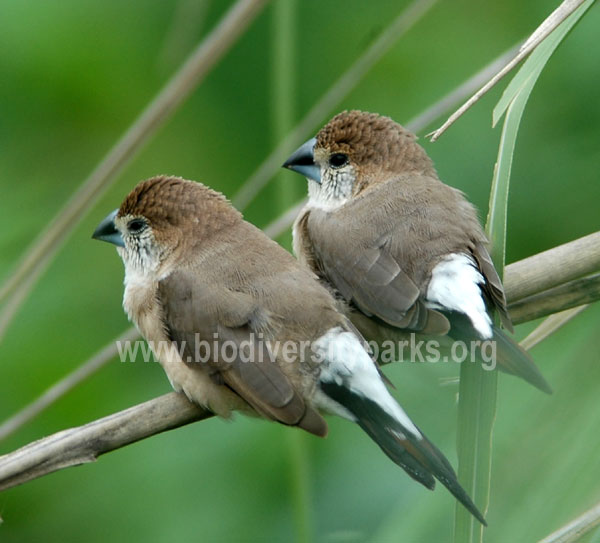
x: 414, y: 453
x: 510, y: 356
x: 513, y: 359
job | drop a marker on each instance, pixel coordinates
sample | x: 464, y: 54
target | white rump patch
x: 346, y: 363
x: 455, y: 285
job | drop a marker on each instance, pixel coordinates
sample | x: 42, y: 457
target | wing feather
x: 493, y: 284
x: 371, y: 277
x: 194, y: 311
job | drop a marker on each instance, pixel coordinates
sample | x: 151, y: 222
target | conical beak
x: 302, y: 161
x: 107, y: 231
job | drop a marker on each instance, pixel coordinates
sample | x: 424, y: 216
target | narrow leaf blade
x: 478, y: 388
x: 533, y: 66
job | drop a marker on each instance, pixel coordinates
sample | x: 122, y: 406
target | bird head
x: 354, y: 151
x: 160, y: 219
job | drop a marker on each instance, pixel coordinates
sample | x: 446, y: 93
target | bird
x: 403, y: 251
x: 197, y: 274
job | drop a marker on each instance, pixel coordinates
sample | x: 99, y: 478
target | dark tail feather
x: 510, y: 357
x: 420, y: 458
x: 513, y: 359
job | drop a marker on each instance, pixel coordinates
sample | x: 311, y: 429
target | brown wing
x: 195, y: 312
x: 493, y: 284
x: 369, y: 274
x: 378, y: 286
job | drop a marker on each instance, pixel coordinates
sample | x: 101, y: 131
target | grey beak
x: 107, y: 231
x: 302, y: 161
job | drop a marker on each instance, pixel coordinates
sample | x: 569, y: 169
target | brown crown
x: 374, y: 140
x: 174, y: 202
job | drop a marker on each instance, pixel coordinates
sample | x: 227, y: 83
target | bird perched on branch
x: 404, y: 250
x: 252, y: 329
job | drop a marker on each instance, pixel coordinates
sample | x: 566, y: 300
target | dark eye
x: 337, y: 160
x: 135, y: 226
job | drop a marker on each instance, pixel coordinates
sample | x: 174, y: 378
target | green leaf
x: 496, y: 221
x: 476, y: 414
x: 478, y: 387
x: 533, y: 66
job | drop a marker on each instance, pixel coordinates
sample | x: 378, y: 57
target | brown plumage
x: 232, y: 303
x: 394, y: 241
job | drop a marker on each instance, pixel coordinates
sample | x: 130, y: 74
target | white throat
x: 143, y: 267
x: 327, y: 196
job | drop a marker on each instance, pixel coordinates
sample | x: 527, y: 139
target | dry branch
x: 538, y: 36
x: 456, y: 96
x: 578, y: 265
x: 576, y: 529
x: 572, y: 294
x: 553, y: 267
x: 85, y: 443
x: 550, y: 325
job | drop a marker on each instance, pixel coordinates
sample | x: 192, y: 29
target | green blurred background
x: 74, y: 75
